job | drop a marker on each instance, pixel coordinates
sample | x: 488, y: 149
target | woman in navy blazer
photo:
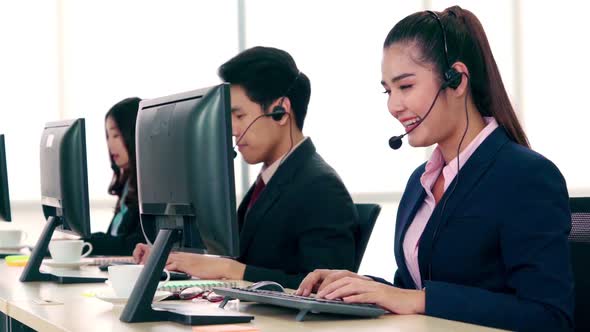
x: 482, y: 239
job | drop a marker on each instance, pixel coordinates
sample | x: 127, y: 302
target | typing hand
x: 141, y: 253
x: 205, y: 266
x: 355, y: 290
x: 317, y: 280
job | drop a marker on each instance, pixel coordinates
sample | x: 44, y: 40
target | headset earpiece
x: 452, y: 78
x: 277, y: 113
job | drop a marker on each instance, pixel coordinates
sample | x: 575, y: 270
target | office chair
x: 368, y: 214
x: 580, y: 254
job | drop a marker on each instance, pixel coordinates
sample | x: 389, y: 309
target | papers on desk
x: 108, y: 295
x: 46, y: 302
x: 178, y: 285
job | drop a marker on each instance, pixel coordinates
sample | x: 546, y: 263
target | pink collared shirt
x: 434, y: 166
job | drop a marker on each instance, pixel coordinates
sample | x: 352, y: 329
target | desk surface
x: 80, y: 313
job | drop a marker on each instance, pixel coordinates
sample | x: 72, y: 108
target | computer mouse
x: 267, y: 285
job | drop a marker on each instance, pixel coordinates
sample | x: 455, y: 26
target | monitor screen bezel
x: 5, y: 211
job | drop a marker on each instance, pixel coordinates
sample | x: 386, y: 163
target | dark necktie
x: 256, y: 193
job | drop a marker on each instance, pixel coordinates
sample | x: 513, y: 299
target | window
x: 30, y: 89
x: 341, y: 51
x: 115, y: 49
x: 555, y: 87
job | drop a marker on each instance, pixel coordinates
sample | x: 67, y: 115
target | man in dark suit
x: 298, y: 215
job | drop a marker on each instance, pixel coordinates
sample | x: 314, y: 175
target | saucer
x: 15, y: 247
x: 109, y: 296
x: 67, y: 265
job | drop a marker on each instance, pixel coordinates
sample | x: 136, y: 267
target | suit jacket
x: 303, y: 220
x: 123, y: 244
x: 498, y: 253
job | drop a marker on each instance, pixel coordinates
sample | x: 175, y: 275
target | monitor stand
x: 139, y: 307
x: 32, y: 272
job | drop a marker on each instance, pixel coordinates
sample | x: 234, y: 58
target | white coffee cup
x: 68, y: 251
x: 122, y: 278
x: 11, y: 238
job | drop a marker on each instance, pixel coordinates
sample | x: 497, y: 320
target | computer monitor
x: 64, y: 176
x: 64, y: 193
x: 4, y: 197
x: 185, y: 180
x: 185, y: 174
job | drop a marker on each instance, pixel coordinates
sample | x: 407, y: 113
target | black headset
x: 279, y: 111
x: 452, y: 78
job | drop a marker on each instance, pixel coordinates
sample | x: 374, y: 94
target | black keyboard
x: 304, y: 304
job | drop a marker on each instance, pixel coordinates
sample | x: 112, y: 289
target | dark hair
x: 124, y: 113
x: 266, y: 74
x: 467, y: 42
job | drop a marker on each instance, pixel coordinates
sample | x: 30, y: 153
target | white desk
x: 3, y: 306
x: 80, y: 313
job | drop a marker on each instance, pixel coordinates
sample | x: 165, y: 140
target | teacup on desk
x: 68, y: 251
x: 123, y: 278
x: 11, y: 238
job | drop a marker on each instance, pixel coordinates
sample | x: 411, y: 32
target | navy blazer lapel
x: 409, y: 204
x: 469, y: 175
x: 253, y: 218
x: 271, y: 193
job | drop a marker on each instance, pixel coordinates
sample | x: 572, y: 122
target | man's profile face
x: 259, y: 141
